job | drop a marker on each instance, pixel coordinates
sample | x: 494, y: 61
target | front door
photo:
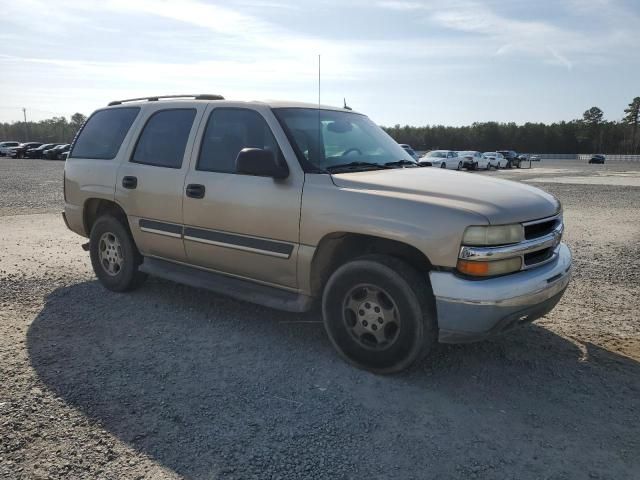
x: 150, y: 182
x: 242, y: 225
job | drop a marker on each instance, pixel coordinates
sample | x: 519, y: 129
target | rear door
x: 150, y: 181
x: 243, y: 225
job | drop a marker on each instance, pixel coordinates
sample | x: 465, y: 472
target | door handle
x: 130, y: 182
x: 195, y: 190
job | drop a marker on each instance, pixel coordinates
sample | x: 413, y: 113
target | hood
x: 499, y: 201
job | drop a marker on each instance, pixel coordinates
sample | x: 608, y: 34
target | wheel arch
x: 94, y: 208
x: 337, y: 248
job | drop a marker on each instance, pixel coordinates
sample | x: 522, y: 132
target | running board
x: 231, y: 286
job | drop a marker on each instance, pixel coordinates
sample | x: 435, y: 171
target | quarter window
x: 103, y: 133
x: 228, y: 131
x: 164, y: 138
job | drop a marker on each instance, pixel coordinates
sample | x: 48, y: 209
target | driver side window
x: 228, y: 131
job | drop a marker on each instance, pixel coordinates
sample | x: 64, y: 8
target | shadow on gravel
x: 214, y: 388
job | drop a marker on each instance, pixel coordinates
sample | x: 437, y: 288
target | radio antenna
x: 318, y: 82
x: 319, y: 144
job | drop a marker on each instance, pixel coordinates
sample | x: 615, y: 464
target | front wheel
x: 114, y: 255
x: 379, y: 313
x: 443, y: 165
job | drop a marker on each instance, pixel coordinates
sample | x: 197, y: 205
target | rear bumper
x: 471, y: 310
x: 73, y: 219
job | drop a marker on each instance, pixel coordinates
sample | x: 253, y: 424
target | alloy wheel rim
x: 110, y: 254
x: 371, y: 316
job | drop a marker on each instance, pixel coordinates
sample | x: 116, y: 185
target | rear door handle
x: 195, y: 190
x: 129, y: 182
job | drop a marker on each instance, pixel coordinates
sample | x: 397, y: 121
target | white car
x: 495, y: 159
x: 473, y: 160
x: 6, y: 147
x: 410, y: 151
x: 443, y: 159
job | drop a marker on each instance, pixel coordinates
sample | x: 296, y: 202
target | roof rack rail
x: 201, y: 96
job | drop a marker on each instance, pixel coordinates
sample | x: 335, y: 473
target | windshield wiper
x: 355, y: 166
x: 400, y: 163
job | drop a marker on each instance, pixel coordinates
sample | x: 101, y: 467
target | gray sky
x: 449, y: 62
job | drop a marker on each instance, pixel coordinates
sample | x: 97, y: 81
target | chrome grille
x: 540, y: 228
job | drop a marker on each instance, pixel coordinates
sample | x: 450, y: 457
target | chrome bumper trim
x: 516, y: 250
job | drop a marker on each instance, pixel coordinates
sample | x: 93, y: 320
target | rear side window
x: 164, y: 138
x: 228, y: 131
x: 103, y: 133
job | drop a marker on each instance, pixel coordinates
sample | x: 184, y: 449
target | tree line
x: 590, y: 134
x: 51, y: 130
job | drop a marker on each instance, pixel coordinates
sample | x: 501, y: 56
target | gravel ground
x: 174, y: 382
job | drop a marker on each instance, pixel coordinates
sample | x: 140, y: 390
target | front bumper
x: 471, y: 310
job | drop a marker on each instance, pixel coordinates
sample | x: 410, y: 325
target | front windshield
x: 328, y: 138
x: 437, y: 154
x: 489, y: 154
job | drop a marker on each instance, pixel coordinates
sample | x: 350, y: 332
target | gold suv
x: 291, y: 205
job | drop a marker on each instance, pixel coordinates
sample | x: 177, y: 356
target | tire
x: 404, y: 297
x: 475, y: 166
x: 459, y: 166
x: 109, y: 231
x: 443, y: 165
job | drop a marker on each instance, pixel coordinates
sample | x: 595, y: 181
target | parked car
x: 38, y: 152
x: 19, y: 151
x: 5, y: 147
x: 597, y: 158
x: 534, y: 158
x: 442, y: 159
x: 410, y: 151
x: 473, y: 160
x: 55, y: 153
x: 495, y: 159
x: 209, y: 193
x: 511, y: 157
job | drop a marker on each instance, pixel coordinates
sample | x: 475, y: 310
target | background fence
x: 573, y: 156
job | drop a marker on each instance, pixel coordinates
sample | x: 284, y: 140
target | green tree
x: 77, y: 120
x: 632, y: 118
x: 593, y: 116
x: 592, y: 119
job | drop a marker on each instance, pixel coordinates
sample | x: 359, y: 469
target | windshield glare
x: 329, y: 138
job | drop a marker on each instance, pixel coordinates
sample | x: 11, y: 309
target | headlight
x: 489, y: 269
x: 493, y: 235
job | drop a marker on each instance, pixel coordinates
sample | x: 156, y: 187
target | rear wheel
x: 378, y: 313
x: 459, y: 166
x: 114, y: 255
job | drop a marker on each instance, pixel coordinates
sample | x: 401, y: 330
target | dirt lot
x: 173, y: 382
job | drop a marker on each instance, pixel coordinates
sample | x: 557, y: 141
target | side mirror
x: 260, y: 163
